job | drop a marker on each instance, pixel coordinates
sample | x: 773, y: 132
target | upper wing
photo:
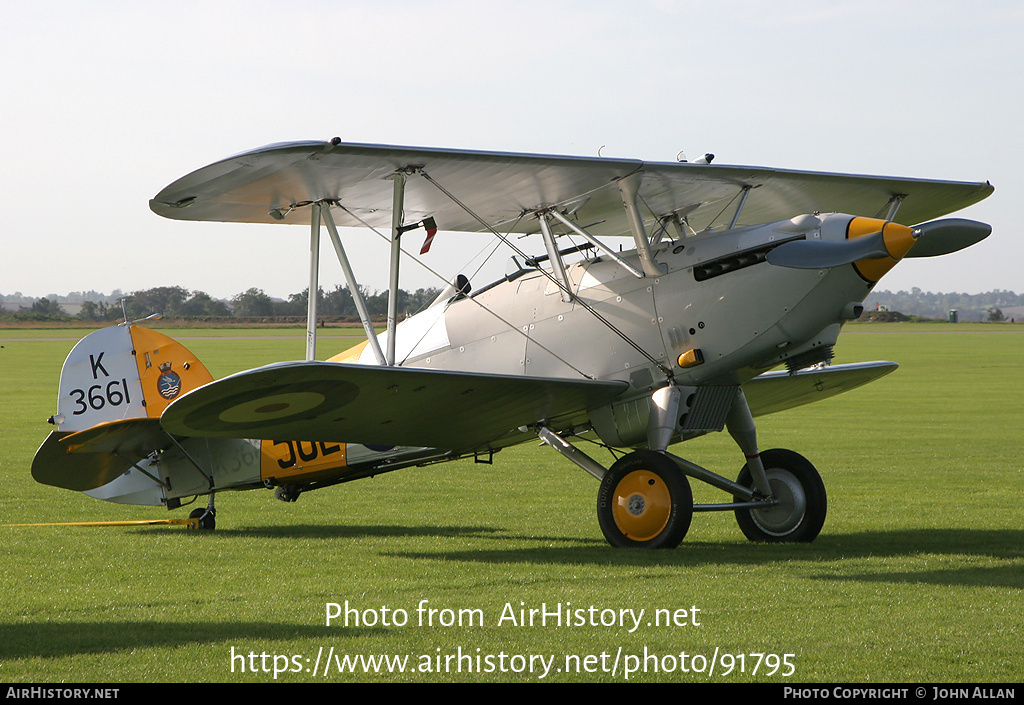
x: 778, y: 391
x: 497, y: 186
x: 777, y: 194
x: 500, y: 187
x: 313, y: 401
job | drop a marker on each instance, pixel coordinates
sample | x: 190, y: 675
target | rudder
x: 124, y: 372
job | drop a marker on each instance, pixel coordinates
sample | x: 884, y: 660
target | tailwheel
x: 644, y: 502
x: 800, y: 511
x: 205, y: 517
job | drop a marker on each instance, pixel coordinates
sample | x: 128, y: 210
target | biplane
x: 731, y: 271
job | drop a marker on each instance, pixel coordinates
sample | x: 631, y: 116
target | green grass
x: 916, y: 577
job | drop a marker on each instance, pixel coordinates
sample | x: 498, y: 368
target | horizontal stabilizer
x: 324, y: 401
x: 54, y: 465
x: 131, y: 438
x: 777, y: 391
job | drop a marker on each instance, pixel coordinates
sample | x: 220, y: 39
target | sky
x: 105, y: 103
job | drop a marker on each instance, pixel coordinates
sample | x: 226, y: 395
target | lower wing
x: 777, y: 391
x: 313, y: 401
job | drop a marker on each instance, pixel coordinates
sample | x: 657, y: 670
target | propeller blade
x: 814, y: 254
x: 940, y: 237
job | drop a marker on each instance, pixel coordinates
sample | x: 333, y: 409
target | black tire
x: 644, y: 502
x: 802, y: 506
x: 205, y: 517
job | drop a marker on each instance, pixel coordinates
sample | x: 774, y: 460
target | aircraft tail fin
x: 124, y: 372
x: 114, y: 385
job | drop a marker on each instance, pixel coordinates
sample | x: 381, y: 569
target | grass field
x: 918, y: 575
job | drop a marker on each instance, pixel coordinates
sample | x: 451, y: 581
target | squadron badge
x: 169, y: 383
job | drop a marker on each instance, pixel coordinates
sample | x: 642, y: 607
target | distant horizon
x: 60, y: 297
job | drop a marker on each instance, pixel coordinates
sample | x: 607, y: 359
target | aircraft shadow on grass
x: 63, y: 638
x: 1003, y: 545
x: 1000, y: 544
x: 319, y: 531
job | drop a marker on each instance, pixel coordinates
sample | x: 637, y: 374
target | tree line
x: 178, y: 302
x: 989, y: 306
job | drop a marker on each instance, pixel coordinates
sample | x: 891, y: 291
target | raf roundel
x: 275, y: 406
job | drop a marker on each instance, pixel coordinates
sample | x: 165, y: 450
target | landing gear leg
x: 645, y: 499
x: 740, y: 423
x: 787, y: 478
x: 204, y: 518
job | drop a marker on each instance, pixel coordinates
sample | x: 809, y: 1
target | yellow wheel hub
x: 642, y: 505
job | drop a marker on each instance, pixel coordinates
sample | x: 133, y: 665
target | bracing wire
x: 482, y: 306
x: 667, y: 372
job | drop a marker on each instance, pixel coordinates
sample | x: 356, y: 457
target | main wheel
x: 800, y: 512
x: 644, y: 502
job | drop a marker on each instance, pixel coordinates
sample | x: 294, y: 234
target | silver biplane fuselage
x: 641, y: 349
x: 715, y: 295
x: 717, y: 301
